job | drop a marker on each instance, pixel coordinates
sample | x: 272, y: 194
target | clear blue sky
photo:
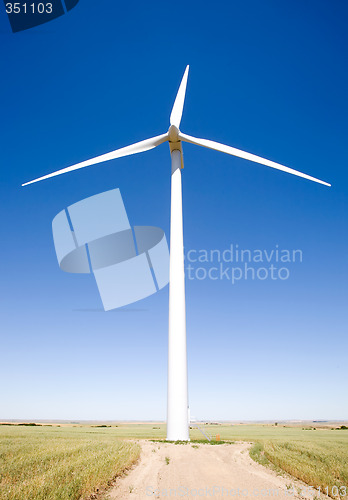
x: 268, y: 77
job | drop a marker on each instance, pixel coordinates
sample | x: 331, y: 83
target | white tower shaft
x: 177, y: 409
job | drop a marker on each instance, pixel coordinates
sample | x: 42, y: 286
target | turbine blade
x: 175, y: 117
x: 138, y: 147
x: 247, y: 156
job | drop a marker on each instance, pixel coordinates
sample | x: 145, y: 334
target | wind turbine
x: 177, y: 406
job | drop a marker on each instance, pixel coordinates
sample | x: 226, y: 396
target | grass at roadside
x: 319, y: 459
x: 321, y: 464
x: 317, y: 456
x: 257, y: 453
x: 41, y: 463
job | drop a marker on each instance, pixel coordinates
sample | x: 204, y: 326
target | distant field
x: 71, y: 461
x: 52, y: 463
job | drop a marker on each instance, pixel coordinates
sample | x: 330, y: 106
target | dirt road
x: 203, y: 471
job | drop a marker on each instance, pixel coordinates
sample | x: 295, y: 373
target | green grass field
x: 71, y: 462
x: 52, y: 463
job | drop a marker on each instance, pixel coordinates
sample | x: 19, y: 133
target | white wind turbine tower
x: 177, y: 409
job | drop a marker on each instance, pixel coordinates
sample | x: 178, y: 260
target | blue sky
x: 266, y: 77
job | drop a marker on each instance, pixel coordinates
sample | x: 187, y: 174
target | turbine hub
x: 173, y: 134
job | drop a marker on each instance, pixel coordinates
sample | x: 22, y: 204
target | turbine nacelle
x: 175, y: 142
x: 173, y: 133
